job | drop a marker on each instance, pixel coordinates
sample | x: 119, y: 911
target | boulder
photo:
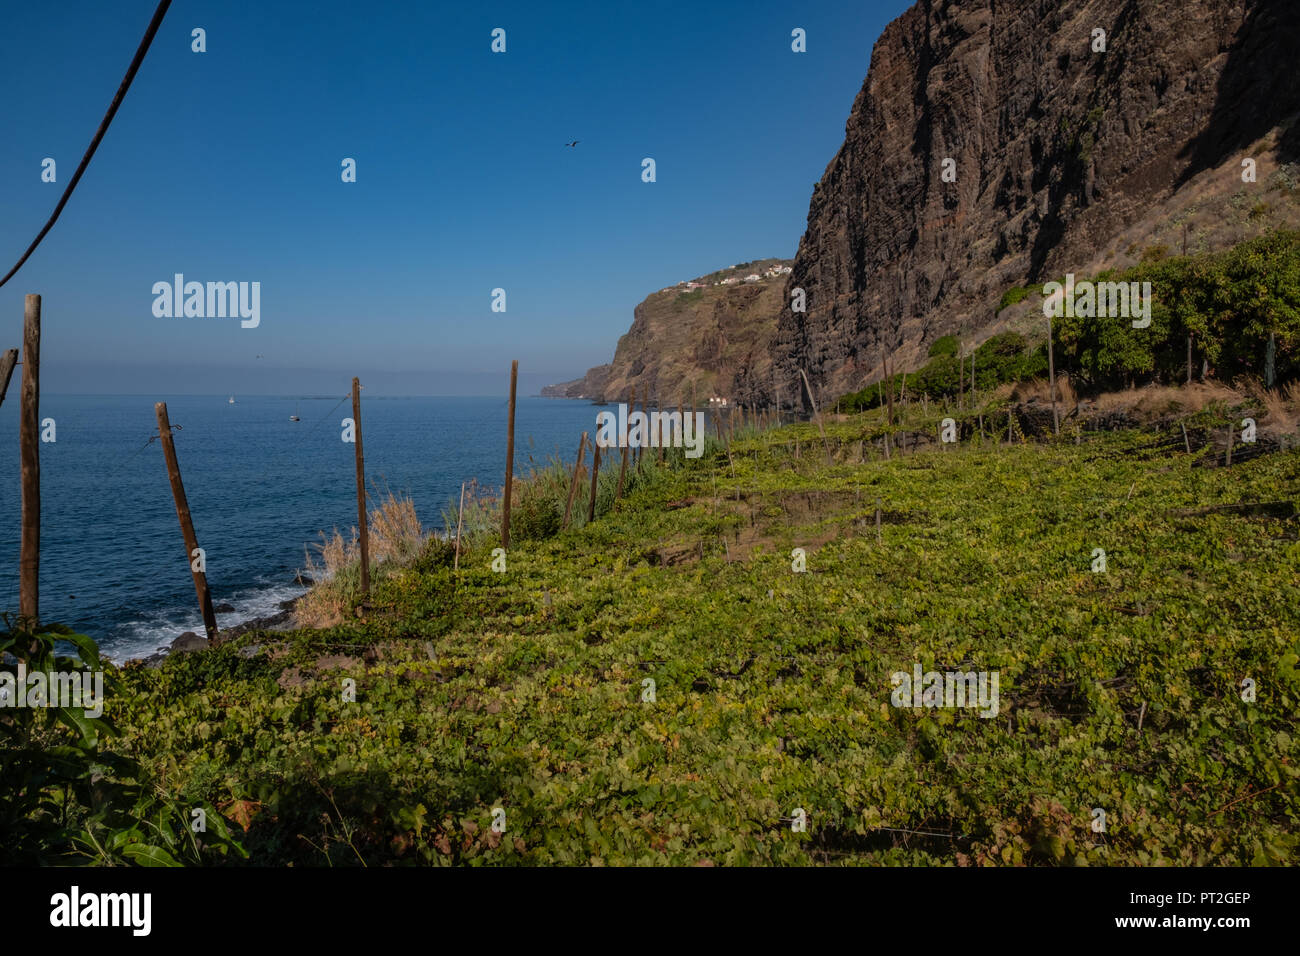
x: 189, y: 641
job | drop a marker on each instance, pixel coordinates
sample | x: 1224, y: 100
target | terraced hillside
x: 661, y: 686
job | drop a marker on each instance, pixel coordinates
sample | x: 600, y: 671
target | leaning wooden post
x: 1228, y: 454
x: 361, y: 487
x: 817, y: 414
x: 192, y: 550
x: 1051, y: 375
x: 460, y: 516
x: 573, y: 483
x: 510, y: 458
x: 1186, y: 441
x: 29, y: 427
x: 7, y: 363
x: 595, y: 470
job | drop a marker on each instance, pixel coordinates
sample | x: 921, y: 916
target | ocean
x: 260, y: 489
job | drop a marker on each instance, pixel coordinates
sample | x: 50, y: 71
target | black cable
x: 99, y: 133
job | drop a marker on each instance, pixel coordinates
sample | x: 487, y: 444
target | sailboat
x: 294, y: 416
x: 232, y: 400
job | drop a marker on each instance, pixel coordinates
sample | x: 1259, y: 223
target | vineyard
x: 661, y: 687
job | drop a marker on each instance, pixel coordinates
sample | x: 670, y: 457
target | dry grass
x: 1040, y: 389
x: 1281, y: 406
x: 1158, y: 400
x: 1279, y: 409
x: 395, y: 540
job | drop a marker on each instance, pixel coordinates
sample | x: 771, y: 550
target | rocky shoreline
x: 190, y: 641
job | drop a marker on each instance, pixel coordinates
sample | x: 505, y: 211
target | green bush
x: 1228, y: 304
x: 947, y: 345
x: 1003, y: 358
x: 65, y: 797
x: 1015, y: 296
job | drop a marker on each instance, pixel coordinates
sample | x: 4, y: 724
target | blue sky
x: 225, y: 166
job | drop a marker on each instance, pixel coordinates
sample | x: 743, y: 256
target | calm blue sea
x: 260, y: 488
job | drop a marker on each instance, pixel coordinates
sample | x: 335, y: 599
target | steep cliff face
x: 709, y: 337
x: 1058, y: 150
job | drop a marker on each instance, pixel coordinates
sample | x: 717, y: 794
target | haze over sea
x: 260, y: 488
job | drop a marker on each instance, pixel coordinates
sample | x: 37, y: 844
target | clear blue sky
x: 225, y: 166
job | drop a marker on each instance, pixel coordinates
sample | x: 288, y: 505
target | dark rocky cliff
x: 1060, y: 152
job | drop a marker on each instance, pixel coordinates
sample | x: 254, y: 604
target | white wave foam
x: 143, y: 637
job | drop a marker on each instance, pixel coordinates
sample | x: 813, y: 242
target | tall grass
x: 537, y: 506
x: 395, y: 540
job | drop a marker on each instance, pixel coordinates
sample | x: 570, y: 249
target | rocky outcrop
x: 711, y: 340
x: 1058, y: 149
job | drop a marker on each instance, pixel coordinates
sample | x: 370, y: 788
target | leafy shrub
x: 1227, y: 303
x: 1012, y: 296
x: 947, y: 345
x: 64, y: 797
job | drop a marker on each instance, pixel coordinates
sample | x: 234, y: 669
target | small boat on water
x: 232, y: 400
x: 293, y: 418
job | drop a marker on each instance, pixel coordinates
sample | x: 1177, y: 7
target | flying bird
x: 574, y: 143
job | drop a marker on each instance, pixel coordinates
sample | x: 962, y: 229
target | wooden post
x: 1186, y: 442
x: 618, y: 494
x: 460, y: 516
x: 595, y: 470
x: 361, y: 488
x: 645, y: 432
x: 1051, y: 377
x: 510, y: 458
x: 187, y: 525
x: 726, y: 444
x: 659, y: 438
x: 29, y: 429
x: 961, y: 377
x: 818, y: 415
x: 1228, y: 459
x: 889, y: 390
x: 7, y: 363
x: 573, y: 483
x: 681, y: 415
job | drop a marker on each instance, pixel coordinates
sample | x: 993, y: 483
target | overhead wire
x: 125, y: 85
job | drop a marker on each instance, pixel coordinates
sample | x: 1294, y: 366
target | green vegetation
x: 525, y: 690
x: 1228, y: 303
x: 1016, y: 295
x: 65, y: 797
x: 1005, y: 357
